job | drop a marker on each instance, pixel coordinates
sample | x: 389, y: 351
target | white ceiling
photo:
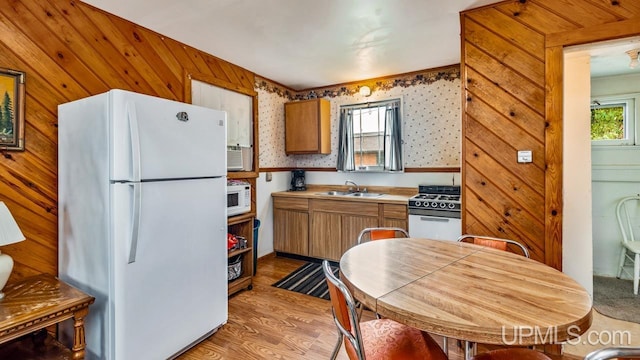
x: 609, y: 57
x: 309, y: 43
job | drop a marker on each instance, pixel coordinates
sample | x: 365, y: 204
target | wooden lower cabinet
x: 394, y: 215
x: 352, y: 225
x: 291, y: 226
x: 325, y: 229
x: 325, y: 239
x: 334, y: 233
x: 291, y: 231
x: 336, y: 224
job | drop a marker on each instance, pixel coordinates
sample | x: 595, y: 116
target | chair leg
x: 360, y: 308
x: 445, y: 346
x: 336, y: 349
x: 469, y: 350
x: 636, y: 273
x: 623, y: 255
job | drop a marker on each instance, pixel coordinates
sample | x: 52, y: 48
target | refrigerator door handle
x: 135, y: 140
x: 137, y: 197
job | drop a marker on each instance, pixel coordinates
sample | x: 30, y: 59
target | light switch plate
x: 525, y: 156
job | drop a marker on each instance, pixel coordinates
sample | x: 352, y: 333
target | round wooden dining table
x: 467, y: 292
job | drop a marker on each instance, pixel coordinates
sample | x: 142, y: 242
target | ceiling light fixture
x: 366, y: 91
x: 633, y: 55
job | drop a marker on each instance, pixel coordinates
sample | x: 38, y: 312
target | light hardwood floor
x: 270, y: 323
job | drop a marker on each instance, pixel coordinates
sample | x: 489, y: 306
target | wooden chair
x: 494, y: 242
x: 614, y: 353
x: 628, y: 214
x: 377, y: 233
x: 375, y: 339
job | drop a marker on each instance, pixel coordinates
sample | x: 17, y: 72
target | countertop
x: 392, y: 195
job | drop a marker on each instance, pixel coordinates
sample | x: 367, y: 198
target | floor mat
x: 308, y: 279
x: 614, y: 298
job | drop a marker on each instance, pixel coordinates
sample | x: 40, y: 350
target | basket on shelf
x: 234, y: 267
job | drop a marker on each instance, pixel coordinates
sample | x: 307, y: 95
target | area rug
x: 307, y: 279
x: 614, y: 298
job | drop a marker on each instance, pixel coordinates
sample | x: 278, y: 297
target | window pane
x: 372, y: 141
x: 368, y: 133
x: 607, y: 122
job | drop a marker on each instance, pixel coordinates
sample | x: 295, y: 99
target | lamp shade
x: 365, y: 90
x: 9, y: 231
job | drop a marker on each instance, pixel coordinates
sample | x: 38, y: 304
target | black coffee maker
x: 297, y: 180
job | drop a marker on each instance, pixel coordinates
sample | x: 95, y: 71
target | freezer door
x: 153, y: 138
x: 175, y: 289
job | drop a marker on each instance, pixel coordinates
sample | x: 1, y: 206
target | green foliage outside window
x: 607, y: 123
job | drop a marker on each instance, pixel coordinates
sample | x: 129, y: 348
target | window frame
x: 630, y: 103
x: 379, y: 104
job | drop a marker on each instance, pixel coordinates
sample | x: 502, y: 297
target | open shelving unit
x: 242, y: 225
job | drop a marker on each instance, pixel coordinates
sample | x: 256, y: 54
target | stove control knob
x: 452, y: 206
x: 418, y: 203
x: 434, y: 204
x: 443, y: 205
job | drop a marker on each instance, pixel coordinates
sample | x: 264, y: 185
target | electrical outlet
x: 268, y: 176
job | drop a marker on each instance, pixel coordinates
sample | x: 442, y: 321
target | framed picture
x: 12, y: 95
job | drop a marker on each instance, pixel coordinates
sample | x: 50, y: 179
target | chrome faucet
x: 354, y: 184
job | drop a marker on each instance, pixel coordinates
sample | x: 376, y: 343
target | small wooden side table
x: 39, y: 301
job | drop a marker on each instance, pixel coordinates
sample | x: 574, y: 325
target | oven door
x: 434, y: 227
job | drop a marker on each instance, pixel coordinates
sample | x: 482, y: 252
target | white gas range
x: 435, y: 212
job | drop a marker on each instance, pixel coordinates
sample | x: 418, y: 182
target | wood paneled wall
x: 70, y: 50
x: 512, y: 95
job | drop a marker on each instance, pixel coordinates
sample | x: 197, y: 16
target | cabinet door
x: 395, y: 223
x: 395, y: 215
x: 352, y: 225
x: 307, y: 127
x: 325, y: 240
x: 291, y: 231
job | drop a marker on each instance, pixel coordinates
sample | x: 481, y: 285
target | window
x: 613, y: 122
x: 370, y: 137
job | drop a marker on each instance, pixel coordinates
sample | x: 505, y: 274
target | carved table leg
x: 79, y: 343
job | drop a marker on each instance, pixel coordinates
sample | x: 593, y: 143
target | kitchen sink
x: 366, y: 194
x: 349, y: 193
x: 335, y: 193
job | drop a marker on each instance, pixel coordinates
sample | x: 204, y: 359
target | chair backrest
x: 614, y: 353
x: 493, y: 242
x: 344, y: 311
x: 628, y: 214
x: 378, y: 233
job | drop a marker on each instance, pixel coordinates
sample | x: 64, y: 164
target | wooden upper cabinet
x: 307, y: 126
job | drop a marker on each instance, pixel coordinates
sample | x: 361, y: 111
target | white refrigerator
x: 142, y: 221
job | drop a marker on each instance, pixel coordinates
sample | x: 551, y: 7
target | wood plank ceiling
x: 70, y: 50
x: 512, y: 90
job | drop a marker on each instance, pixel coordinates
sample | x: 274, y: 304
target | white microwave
x: 238, y: 199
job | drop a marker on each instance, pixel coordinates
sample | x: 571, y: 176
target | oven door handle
x: 433, y: 218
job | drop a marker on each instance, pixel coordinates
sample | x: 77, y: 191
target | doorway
x: 596, y: 174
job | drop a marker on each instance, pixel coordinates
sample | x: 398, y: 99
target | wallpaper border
x: 429, y: 76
